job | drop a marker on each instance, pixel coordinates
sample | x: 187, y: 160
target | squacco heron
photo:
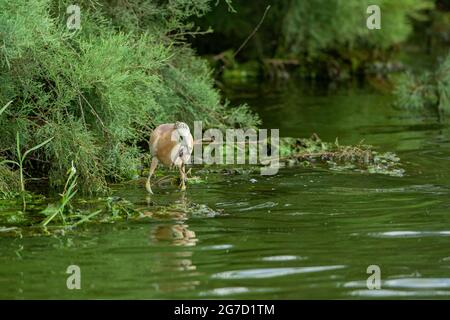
x: 172, y: 145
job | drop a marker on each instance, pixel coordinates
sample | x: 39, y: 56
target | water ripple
x: 219, y: 247
x: 226, y: 291
x: 406, y: 283
x: 271, y: 272
x: 283, y: 258
x: 409, y: 234
x: 397, y: 293
x: 268, y: 204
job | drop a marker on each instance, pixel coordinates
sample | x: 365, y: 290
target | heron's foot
x: 183, y: 186
x: 148, y: 187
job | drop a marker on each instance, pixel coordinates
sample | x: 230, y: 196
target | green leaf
x: 10, y: 161
x: 85, y: 219
x: 37, y: 147
x: 6, y: 106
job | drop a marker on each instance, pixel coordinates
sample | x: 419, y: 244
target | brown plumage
x: 171, y: 144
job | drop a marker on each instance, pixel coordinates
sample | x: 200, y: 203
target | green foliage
x: 21, y: 158
x: 9, y: 182
x: 416, y: 92
x: 319, y: 35
x: 11, y: 186
x: 360, y: 158
x: 312, y: 26
x: 426, y: 90
x: 443, y: 86
x: 68, y: 193
x: 4, y: 107
x: 99, y: 90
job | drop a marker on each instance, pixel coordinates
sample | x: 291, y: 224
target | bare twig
x: 253, y: 33
x: 93, y: 110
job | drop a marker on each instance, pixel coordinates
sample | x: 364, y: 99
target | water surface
x: 304, y: 233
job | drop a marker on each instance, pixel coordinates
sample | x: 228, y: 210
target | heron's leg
x: 150, y: 173
x: 183, y: 176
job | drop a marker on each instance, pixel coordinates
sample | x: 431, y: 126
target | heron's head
x: 185, y: 143
x: 182, y: 134
x: 182, y: 130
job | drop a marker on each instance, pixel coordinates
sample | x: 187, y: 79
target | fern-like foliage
x: 101, y: 89
x: 428, y: 90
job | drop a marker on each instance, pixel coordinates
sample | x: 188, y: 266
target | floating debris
x: 361, y: 158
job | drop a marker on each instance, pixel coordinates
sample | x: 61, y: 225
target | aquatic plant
x: 362, y: 158
x: 21, y: 158
x: 67, y: 212
x: 312, y: 152
x: 114, y: 208
x: 66, y: 196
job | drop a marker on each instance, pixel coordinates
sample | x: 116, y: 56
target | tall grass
x: 21, y: 158
x: 4, y: 107
x: 66, y: 196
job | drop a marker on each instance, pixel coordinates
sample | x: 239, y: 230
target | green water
x: 304, y: 233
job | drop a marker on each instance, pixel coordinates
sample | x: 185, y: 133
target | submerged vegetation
x: 361, y: 158
x: 48, y: 215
